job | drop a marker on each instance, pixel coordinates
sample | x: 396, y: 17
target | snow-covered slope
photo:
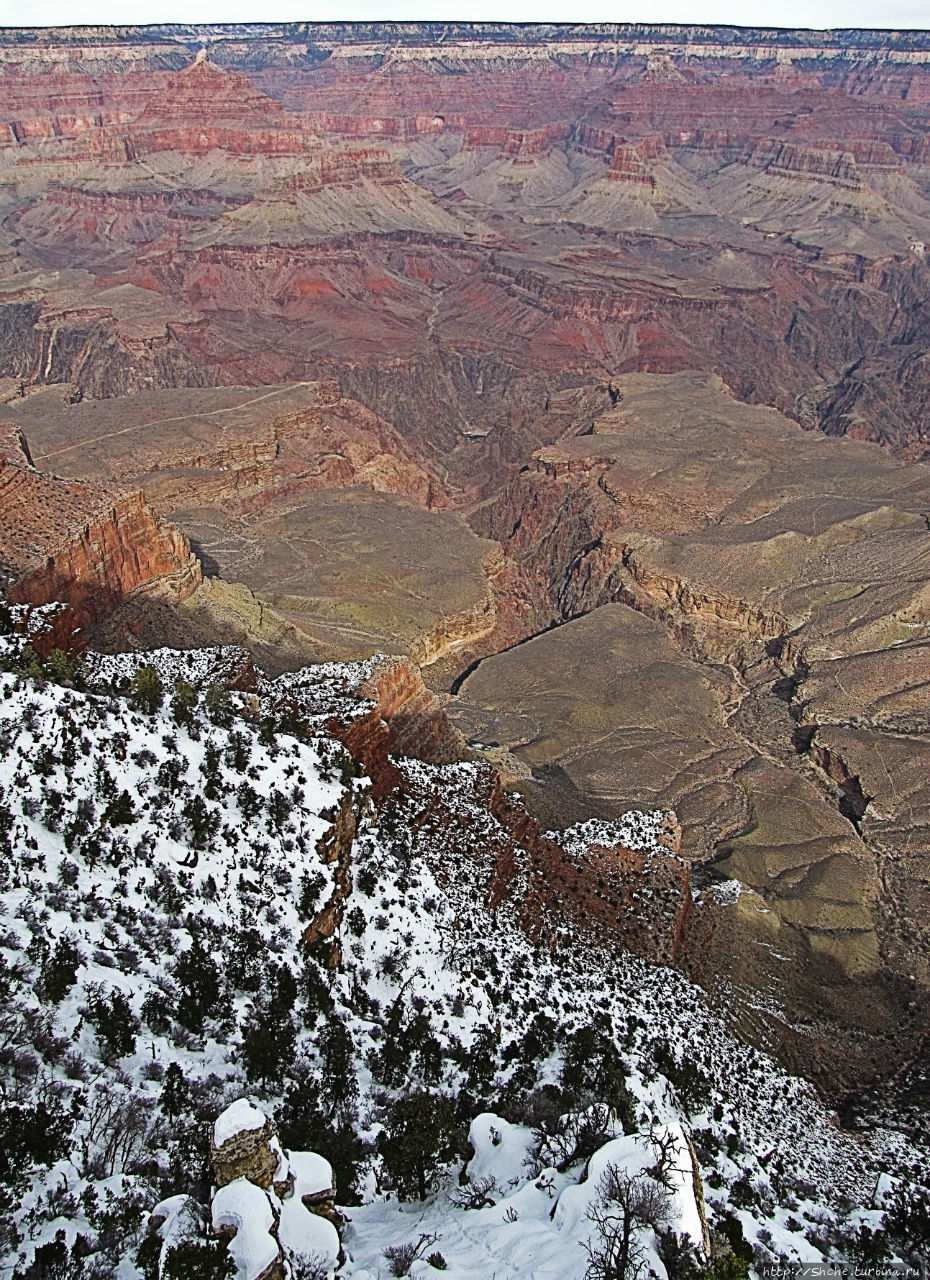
x: 198, y: 906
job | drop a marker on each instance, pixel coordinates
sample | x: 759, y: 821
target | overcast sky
x: 783, y: 13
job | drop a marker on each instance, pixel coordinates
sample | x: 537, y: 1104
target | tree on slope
x: 147, y: 691
x: 421, y: 1134
x: 198, y: 978
x: 624, y: 1204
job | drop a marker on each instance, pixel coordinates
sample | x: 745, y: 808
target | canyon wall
x: 456, y: 221
x: 80, y: 545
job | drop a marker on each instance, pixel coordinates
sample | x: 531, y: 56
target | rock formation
x: 789, y: 171
x: 269, y: 1205
x: 617, y: 883
x: 83, y: 545
x: 620, y: 882
x: 272, y: 487
x: 711, y: 598
x: 244, y: 1145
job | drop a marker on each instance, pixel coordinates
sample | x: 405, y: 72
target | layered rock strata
x: 479, y: 235
x: 83, y: 545
x: 714, y: 595
x: 396, y: 209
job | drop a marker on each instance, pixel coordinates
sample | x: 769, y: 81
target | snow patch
x: 727, y: 893
x: 639, y: 829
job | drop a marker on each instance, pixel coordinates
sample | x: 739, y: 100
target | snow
x: 636, y: 830
x: 727, y: 892
x: 539, y: 1224
x: 500, y: 1150
x: 326, y: 689
x: 301, y: 1231
x: 312, y: 1174
x: 180, y: 1220
x: 242, y: 1115
x: 282, y: 1168
x: 197, y: 666
x: 109, y: 898
x: 168, y: 1209
x: 633, y: 1155
x: 246, y: 1208
x: 417, y: 935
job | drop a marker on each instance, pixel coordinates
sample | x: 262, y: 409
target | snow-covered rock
x: 245, y: 1145
x: 245, y: 1210
x: 267, y: 1194
x: 303, y: 1229
x: 241, y: 1116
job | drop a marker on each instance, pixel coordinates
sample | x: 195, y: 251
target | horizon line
x: 169, y: 26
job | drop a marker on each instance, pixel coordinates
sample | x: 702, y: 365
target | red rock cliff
x: 557, y: 886
x: 82, y: 545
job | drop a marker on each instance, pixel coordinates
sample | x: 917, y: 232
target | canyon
x: 585, y: 369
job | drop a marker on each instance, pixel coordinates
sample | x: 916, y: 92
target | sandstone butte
x: 587, y: 368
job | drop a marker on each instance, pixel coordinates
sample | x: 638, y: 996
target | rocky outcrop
x: 835, y: 168
x: 243, y: 1144
x: 380, y: 710
x: 84, y: 222
x: 269, y: 1206
x: 333, y: 445
x: 104, y: 343
x: 335, y: 846
x: 594, y: 520
x: 416, y: 721
x: 87, y: 548
x: 682, y: 605
x: 631, y: 163
x: 14, y: 449
x: 122, y: 550
x: 586, y: 878
x: 342, y: 168
x: 270, y: 1203
x: 203, y: 108
x: 557, y: 885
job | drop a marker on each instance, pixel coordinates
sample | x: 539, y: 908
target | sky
x: 781, y: 13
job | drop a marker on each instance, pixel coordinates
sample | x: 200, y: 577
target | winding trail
x: 181, y: 417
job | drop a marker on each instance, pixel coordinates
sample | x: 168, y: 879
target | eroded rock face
x: 335, y: 846
x: 647, y: 199
x: 415, y: 716
x: 872, y: 748
x: 619, y: 885
x: 82, y: 545
x: 623, y: 883
x: 241, y: 1146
